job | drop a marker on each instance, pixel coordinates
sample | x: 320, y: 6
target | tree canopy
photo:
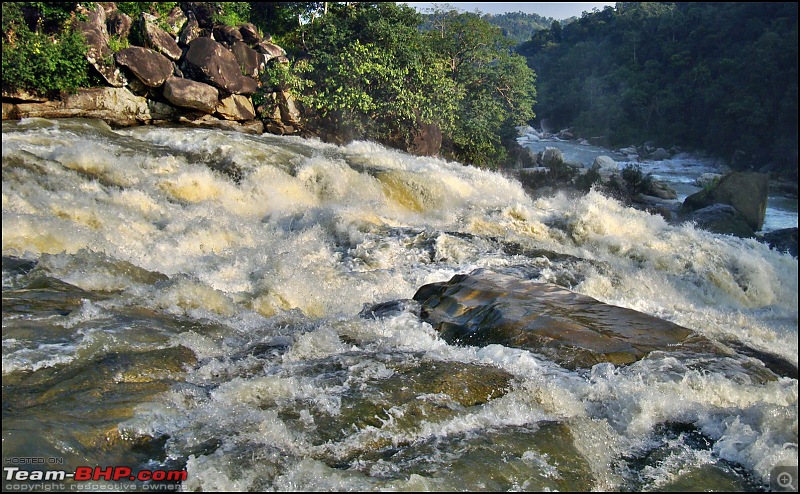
x: 719, y: 77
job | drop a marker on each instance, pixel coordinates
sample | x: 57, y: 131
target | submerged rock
x: 573, y: 330
x: 724, y: 219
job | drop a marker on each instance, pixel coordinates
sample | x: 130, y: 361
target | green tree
x: 372, y: 75
x: 498, y: 86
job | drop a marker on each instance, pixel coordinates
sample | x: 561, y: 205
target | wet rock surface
x: 573, y: 330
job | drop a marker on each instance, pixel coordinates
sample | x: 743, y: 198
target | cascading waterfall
x: 185, y: 298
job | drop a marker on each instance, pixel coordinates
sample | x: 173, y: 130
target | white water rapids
x: 257, y: 254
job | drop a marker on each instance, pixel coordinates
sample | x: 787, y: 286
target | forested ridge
x: 713, y: 77
x: 716, y: 77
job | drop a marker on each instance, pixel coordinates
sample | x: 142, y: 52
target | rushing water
x: 182, y: 298
x: 679, y: 172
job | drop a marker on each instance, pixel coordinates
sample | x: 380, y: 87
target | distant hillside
x: 719, y: 77
x: 518, y: 27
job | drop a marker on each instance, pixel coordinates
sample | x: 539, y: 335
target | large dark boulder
x: 158, y: 39
x: 247, y: 58
x: 747, y: 192
x: 98, y: 53
x: 210, y: 62
x: 722, y: 218
x: 784, y: 240
x: 227, y: 35
x: 573, y: 330
x: 250, y: 34
x: 186, y: 93
x: 148, y: 66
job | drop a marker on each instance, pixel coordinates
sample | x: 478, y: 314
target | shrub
x: 584, y: 182
x: 636, y: 180
x: 38, y: 60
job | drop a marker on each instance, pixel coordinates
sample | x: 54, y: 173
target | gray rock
x: 158, y: 39
x: 662, y: 190
x: 659, y: 154
x: 236, y: 107
x: 191, y: 94
x: 210, y: 62
x: 247, y: 58
x: 116, y: 106
x: 747, y: 192
x: 148, y: 66
x: 551, y: 157
x: 606, y: 164
x: 724, y: 219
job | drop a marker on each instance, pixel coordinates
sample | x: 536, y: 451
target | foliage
x: 284, y: 19
x: 116, y: 43
x: 498, y: 87
x: 232, y: 13
x: 45, y: 58
x: 518, y: 27
x: 133, y: 9
x: 637, y: 182
x: 585, y: 181
x: 719, y: 77
x: 373, y: 75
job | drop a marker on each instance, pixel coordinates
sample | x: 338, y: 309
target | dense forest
x: 718, y: 77
x: 715, y: 77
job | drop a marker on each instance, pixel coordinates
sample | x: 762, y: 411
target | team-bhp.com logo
x: 87, y: 474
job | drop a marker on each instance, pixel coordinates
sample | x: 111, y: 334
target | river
x: 203, y: 301
x: 680, y: 172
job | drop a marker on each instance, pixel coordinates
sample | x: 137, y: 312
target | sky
x: 556, y: 10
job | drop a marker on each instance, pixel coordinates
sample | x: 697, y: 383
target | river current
x: 198, y: 299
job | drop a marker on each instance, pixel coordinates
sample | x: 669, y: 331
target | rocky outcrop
x: 573, y: 330
x: 722, y: 218
x: 784, y: 240
x: 210, y: 62
x: 184, y: 80
x: 746, y: 192
x: 148, y: 66
x: 99, y: 55
x: 187, y: 93
x: 117, y: 106
x: 157, y: 39
x: 236, y: 107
